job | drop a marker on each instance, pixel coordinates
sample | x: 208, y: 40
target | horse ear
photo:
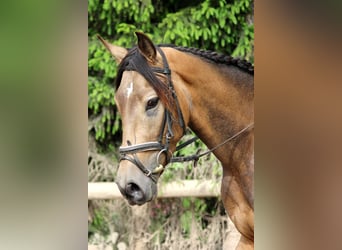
x: 118, y: 52
x: 146, y: 47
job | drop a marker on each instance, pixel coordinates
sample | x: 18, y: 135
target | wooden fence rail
x: 188, y: 188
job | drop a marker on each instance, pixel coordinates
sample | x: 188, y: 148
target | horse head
x: 151, y: 115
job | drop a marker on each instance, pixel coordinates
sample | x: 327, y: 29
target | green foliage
x: 99, y: 223
x: 222, y: 26
x: 193, y: 210
x: 211, y: 25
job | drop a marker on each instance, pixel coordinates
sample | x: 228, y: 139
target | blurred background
x: 43, y: 125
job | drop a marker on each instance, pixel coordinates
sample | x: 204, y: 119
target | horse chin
x: 133, y: 203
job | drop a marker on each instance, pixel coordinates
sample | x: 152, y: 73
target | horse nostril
x: 131, y: 188
x: 134, y: 191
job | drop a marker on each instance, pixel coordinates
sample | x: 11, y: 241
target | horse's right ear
x: 117, y: 52
x: 146, y: 47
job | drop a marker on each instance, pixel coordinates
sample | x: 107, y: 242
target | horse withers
x: 162, y: 90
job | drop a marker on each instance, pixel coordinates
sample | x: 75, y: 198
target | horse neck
x: 220, y: 100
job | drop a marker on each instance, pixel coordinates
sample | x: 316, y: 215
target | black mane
x: 135, y: 61
x: 215, y: 57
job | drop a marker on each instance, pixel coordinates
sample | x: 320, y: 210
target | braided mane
x: 215, y: 57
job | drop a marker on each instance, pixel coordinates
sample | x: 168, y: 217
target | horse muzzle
x: 133, y: 194
x: 137, y: 188
x: 136, y: 195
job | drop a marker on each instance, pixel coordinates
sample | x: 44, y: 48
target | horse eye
x: 152, y: 103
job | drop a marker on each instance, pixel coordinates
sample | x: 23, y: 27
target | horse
x: 163, y: 90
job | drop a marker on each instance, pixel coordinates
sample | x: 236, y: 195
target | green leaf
x: 222, y: 22
x: 186, y: 203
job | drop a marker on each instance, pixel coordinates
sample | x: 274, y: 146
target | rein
x: 196, y: 157
x: 126, y: 151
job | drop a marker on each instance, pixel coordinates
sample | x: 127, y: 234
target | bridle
x: 126, y: 151
x: 130, y: 151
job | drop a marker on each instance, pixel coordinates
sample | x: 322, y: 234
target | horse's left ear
x: 146, y: 47
x: 118, y: 52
